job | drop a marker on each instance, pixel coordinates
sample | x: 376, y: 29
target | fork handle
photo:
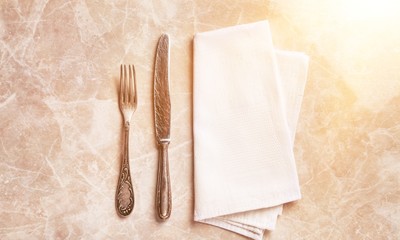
x: 124, y: 198
x: 163, y: 191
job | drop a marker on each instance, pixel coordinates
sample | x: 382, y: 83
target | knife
x: 162, y: 114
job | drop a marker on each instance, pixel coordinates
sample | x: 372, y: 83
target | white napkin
x: 246, y: 101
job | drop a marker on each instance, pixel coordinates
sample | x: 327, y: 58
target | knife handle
x: 163, y: 191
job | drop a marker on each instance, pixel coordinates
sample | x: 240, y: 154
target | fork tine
x: 121, y: 85
x: 128, y: 89
x: 126, y: 85
x: 132, y: 84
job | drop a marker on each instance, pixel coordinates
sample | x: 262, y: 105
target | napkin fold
x: 246, y: 102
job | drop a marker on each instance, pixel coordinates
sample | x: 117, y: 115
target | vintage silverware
x: 124, y: 198
x: 162, y: 113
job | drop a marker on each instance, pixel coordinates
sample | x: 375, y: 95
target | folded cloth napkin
x: 246, y: 101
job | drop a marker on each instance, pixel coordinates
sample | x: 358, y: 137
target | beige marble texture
x: 61, y: 132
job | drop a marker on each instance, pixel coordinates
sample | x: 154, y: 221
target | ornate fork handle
x: 124, y: 196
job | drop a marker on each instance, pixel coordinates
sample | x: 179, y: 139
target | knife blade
x: 162, y: 113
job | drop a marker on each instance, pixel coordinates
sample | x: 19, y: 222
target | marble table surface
x: 61, y: 132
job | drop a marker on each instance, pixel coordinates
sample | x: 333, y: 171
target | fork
x: 124, y: 198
